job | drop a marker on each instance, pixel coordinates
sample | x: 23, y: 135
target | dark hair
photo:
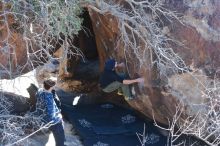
x: 48, y: 84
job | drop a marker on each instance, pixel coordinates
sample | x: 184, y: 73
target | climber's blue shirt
x: 46, y: 107
x: 108, y: 77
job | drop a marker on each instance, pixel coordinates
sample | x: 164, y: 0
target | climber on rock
x: 110, y: 80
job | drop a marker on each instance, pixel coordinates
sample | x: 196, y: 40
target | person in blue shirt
x: 50, y: 113
x: 110, y: 80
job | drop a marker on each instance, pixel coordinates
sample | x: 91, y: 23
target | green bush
x: 54, y: 16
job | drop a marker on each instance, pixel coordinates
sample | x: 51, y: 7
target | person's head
x: 48, y: 84
x: 110, y: 64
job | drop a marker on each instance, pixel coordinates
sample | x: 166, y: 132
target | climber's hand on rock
x: 121, y: 65
x: 140, y: 80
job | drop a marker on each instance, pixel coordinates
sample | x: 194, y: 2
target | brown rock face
x: 13, y: 49
x: 17, y: 51
x: 14, y: 55
x: 201, y: 52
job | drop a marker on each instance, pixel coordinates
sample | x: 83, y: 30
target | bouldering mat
x: 110, y: 125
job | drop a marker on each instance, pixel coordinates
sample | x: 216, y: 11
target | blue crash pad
x: 110, y: 125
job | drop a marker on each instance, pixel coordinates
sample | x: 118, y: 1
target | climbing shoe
x: 119, y: 93
x: 129, y: 98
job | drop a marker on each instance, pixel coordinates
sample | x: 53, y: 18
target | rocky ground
x: 47, y: 139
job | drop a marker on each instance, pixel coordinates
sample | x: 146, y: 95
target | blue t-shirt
x: 46, y: 107
x: 108, y: 77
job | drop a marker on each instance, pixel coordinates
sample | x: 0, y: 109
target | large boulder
x: 14, y: 47
x: 201, y: 39
x: 19, y: 50
x: 13, y: 103
x: 13, y: 56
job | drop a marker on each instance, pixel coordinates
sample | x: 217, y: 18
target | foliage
x: 41, y: 24
x: 54, y: 16
x: 141, y: 24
